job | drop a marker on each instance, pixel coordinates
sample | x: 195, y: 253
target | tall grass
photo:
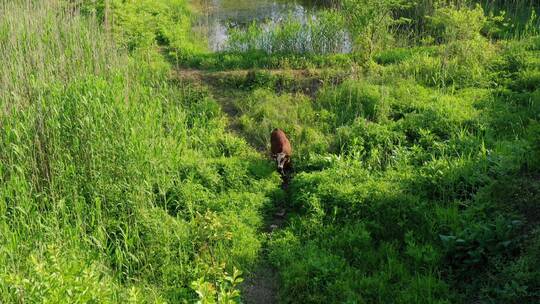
x: 46, y: 52
x: 44, y: 43
x: 116, y: 183
x: 324, y: 34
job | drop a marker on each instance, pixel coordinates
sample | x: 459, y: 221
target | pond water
x: 216, y: 17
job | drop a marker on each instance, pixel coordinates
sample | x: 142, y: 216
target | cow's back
x: 280, y: 143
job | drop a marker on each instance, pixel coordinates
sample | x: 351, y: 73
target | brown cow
x: 281, y: 150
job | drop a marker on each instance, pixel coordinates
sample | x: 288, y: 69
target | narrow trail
x: 228, y: 87
x: 262, y: 285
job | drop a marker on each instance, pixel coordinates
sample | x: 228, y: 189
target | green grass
x: 117, y: 184
x: 254, y: 59
x: 417, y: 175
x: 397, y: 196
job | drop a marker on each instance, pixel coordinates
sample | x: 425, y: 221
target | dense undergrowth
x: 418, y: 179
x: 417, y: 163
x: 410, y: 191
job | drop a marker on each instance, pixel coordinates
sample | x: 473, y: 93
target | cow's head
x: 281, y: 159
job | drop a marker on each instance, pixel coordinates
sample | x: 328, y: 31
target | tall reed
x: 110, y: 173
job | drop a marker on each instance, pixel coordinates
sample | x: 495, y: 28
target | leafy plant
x: 225, y: 292
x: 470, y: 249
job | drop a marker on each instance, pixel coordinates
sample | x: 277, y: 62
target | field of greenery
x: 416, y: 154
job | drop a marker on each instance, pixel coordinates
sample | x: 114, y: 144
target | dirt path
x: 262, y: 285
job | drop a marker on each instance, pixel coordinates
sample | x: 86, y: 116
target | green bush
x: 451, y: 24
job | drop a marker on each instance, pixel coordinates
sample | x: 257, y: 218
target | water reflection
x: 217, y: 16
